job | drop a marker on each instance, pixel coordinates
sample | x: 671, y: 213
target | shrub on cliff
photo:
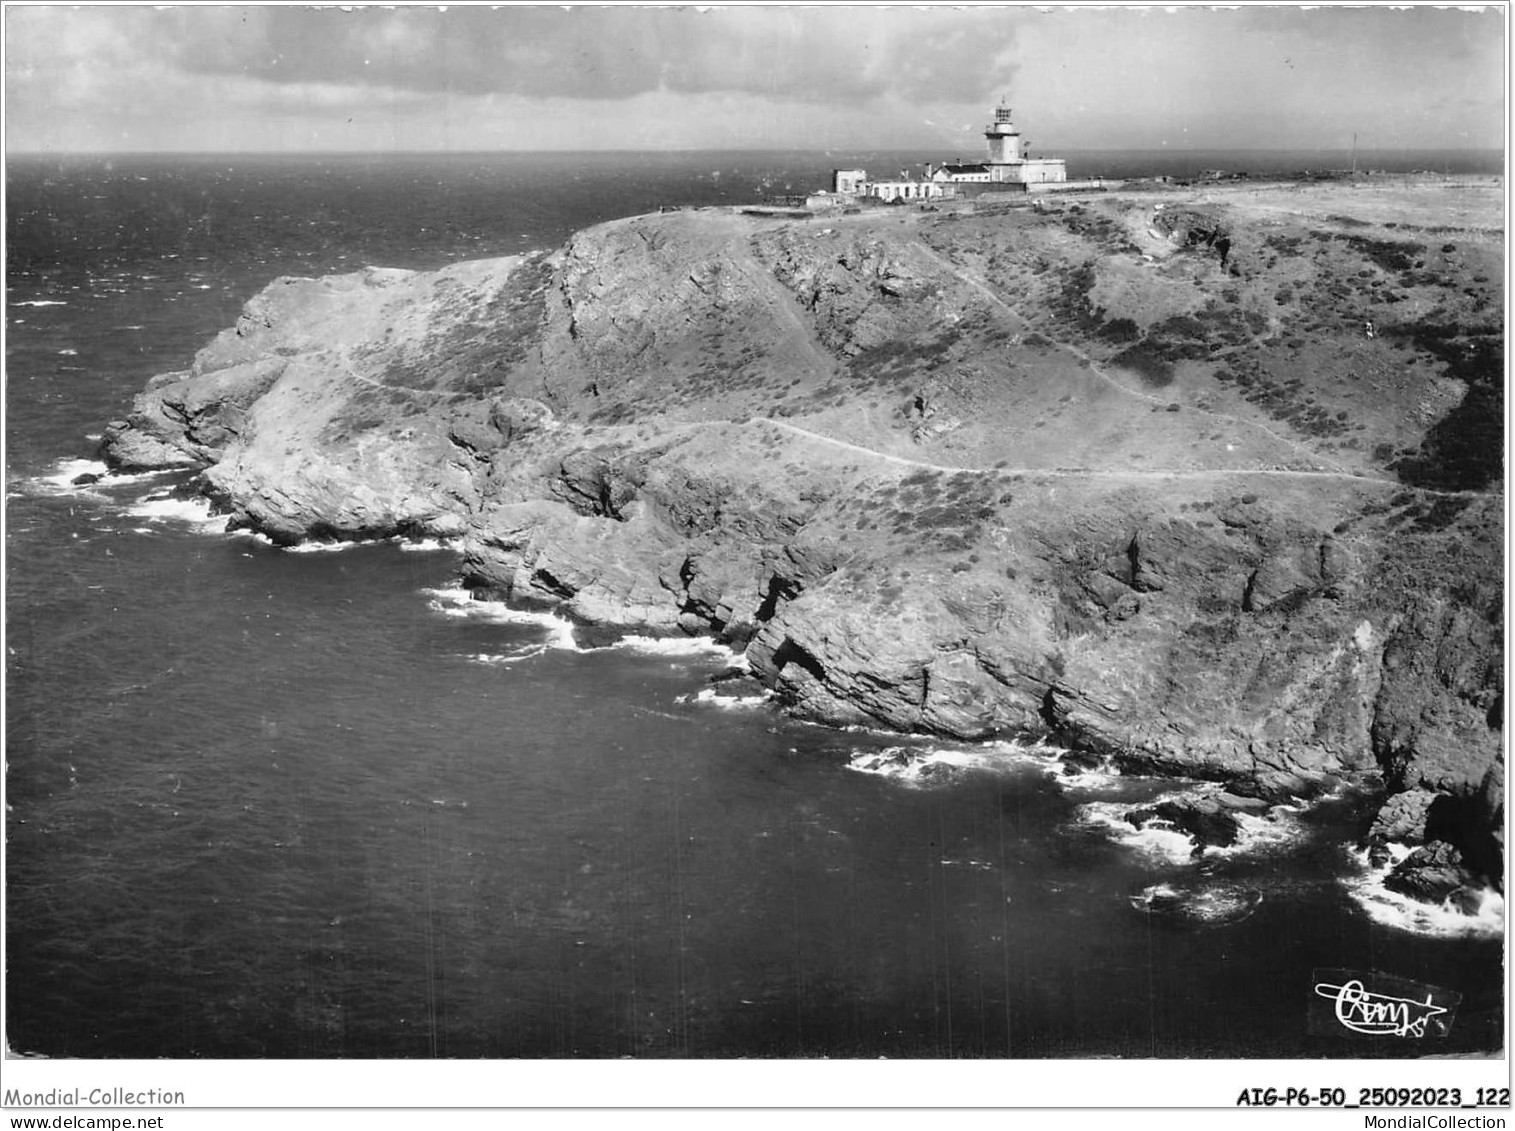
x: 1120, y: 330
x: 1147, y: 362
x: 1464, y: 451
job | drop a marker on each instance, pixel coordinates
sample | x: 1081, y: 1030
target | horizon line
x: 598, y: 150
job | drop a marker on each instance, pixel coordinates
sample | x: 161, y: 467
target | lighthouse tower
x: 1004, y: 138
x: 1008, y: 166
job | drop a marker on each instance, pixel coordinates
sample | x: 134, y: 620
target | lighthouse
x: 1008, y: 169
x: 1004, y: 139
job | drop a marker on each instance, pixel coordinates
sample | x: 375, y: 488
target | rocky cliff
x: 1231, y: 514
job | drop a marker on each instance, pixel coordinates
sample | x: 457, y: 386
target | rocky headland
x: 1211, y: 484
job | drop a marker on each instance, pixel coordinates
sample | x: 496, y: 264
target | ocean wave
x: 710, y: 697
x: 193, y: 512
x: 914, y: 764
x: 66, y: 471
x: 314, y: 546
x: 332, y: 547
x: 924, y: 765
x: 674, y: 646
x: 1277, y: 830
x: 61, y: 478
x: 1090, y: 779
x: 459, y: 602
x: 1257, y: 834
x: 493, y: 659
x: 1156, y: 840
x: 337, y: 545
x: 1392, y: 909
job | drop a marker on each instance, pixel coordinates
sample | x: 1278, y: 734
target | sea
x: 270, y: 803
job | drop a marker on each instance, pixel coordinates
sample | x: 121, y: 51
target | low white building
x: 848, y: 182
x: 959, y: 173
x: 889, y: 191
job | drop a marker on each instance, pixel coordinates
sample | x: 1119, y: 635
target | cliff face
x: 957, y: 473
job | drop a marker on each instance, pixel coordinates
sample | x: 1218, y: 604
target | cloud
x: 186, y: 77
x: 597, y: 54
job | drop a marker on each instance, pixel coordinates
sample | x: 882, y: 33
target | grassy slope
x: 944, y: 435
x: 1080, y: 338
x: 937, y: 392
x: 1086, y: 340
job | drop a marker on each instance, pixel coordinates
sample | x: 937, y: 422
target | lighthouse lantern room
x: 1004, y: 139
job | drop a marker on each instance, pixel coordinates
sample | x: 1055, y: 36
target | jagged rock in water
x: 1206, y: 820
x: 1431, y: 873
x: 1200, y: 905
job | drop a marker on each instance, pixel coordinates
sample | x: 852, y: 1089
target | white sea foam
x: 120, y: 479
x: 673, y: 646
x: 458, y: 598
x: 70, y: 469
x: 1276, y: 830
x: 898, y: 762
x: 64, y: 472
x: 492, y: 659
x: 1154, y: 893
x: 1089, y: 781
x: 40, y: 302
x: 193, y: 512
x: 1393, y: 909
x: 323, y: 547
x: 332, y: 546
x: 710, y: 697
x: 1157, y: 841
x: 1258, y: 834
x: 1092, y: 779
x: 919, y: 765
x: 459, y: 602
x: 1010, y: 751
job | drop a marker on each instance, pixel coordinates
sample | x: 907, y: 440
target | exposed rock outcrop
x: 688, y: 423
x: 1435, y: 873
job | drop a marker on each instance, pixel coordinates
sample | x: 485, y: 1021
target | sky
x: 212, y: 78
